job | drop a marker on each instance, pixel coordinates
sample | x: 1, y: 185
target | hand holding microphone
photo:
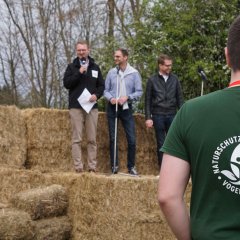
x: 83, y: 65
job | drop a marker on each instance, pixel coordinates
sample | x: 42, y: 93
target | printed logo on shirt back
x: 229, y: 172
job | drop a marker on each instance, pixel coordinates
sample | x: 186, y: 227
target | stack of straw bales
x: 49, y: 143
x: 101, y: 207
x: 13, y: 144
x: 47, y: 205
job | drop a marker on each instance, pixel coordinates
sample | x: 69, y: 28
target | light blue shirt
x: 132, y: 80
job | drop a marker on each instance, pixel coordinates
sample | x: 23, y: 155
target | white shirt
x: 164, y: 76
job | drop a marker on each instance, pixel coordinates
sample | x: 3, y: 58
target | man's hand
x: 113, y: 101
x: 83, y: 69
x: 149, y: 123
x: 122, y: 100
x: 93, y: 98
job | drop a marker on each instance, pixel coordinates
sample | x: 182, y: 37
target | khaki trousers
x: 79, y: 120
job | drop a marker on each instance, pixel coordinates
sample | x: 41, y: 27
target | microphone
x: 202, y: 73
x: 83, y: 62
x: 118, y: 68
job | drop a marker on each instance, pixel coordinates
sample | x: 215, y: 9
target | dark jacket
x: 162, y: 97
x: 76, y: 82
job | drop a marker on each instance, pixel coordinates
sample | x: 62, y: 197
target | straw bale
x: 13, y: 181
x: 49, y: 139
x: 49, y: 143
x: 117, y: 207
x: 57, y: 228
x: 13, y: 143
x: 42, y: 202
x: 15, y: 224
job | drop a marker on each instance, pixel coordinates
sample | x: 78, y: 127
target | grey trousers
x: 80, y: 120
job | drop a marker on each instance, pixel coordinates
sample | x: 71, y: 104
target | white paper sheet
x: 84, y: 100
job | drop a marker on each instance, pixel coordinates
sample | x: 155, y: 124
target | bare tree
x: 9, y: 61
x: 111, y: 15
x: 37, y: 50
x: 129, y: 13
x: 41, y: 41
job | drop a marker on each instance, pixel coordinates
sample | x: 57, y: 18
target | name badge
x: 94, y: 73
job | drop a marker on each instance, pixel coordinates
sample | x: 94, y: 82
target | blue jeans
x: 161, y: 125
x: 127, y: 119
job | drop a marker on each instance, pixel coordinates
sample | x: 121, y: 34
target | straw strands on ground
x: 42, y: 202
x: 13, y: 141
x: 15, y: 225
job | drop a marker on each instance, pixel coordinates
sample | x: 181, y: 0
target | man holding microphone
x: 81, y: 75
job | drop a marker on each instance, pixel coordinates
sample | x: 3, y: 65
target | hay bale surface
x: 48, y: 139
x: 44, y: 202
x: 13, y: 142
x: 53, y: 229
x: 49, y: 143
x: 117, y: 207
x: 15, y: 180
x: 15, y: 224
x: 3, y: 205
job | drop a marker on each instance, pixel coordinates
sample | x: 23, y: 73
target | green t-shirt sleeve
x: 174, y: 143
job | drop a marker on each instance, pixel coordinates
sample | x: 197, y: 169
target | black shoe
x: 133, y: 171
x: 115, y: 170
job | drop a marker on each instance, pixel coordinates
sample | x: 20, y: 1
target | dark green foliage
x: 196, y: 33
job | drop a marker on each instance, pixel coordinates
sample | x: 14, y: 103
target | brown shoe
x: 92, y: 170
x: 79, y: 170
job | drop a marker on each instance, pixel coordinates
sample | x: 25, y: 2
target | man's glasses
x: 167, y: 65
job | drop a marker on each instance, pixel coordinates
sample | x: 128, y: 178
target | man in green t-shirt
x: 204, y: 142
